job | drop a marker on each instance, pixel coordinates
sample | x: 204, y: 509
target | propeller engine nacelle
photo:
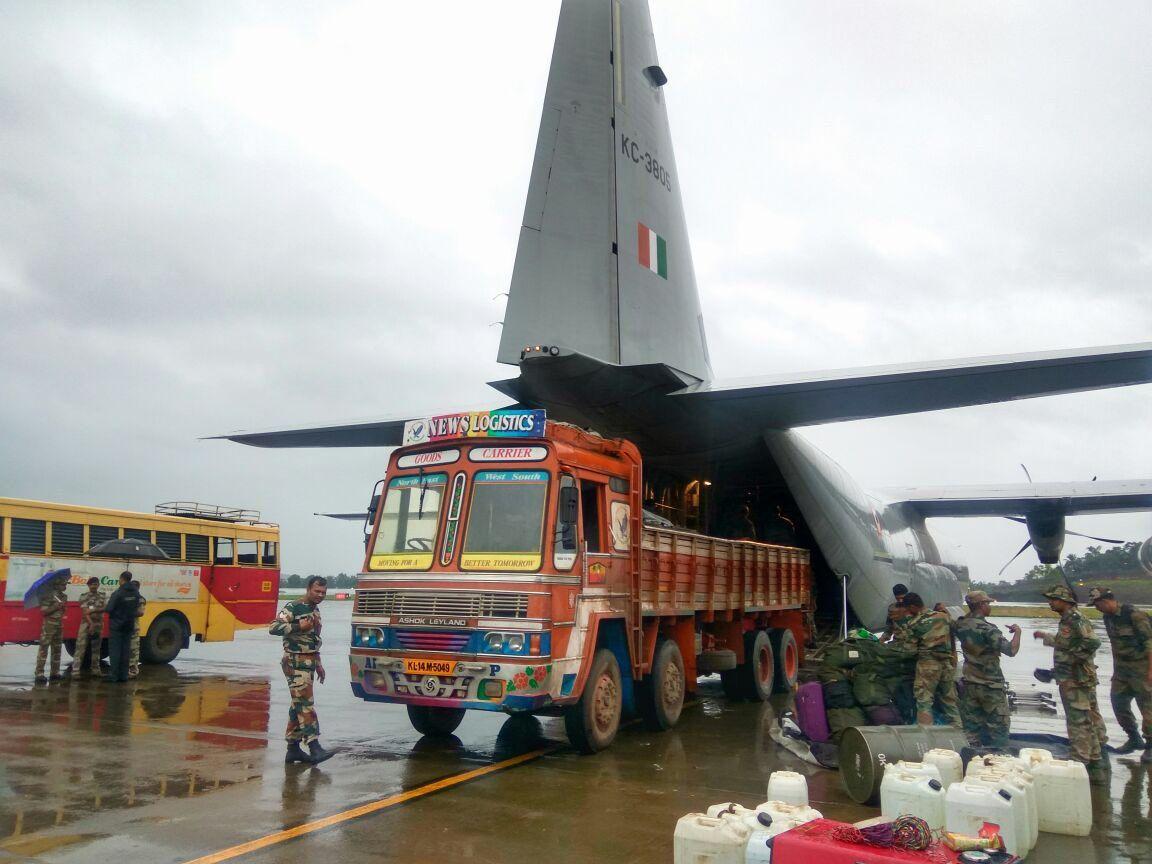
x: 1144, y: 556
x: 1046, y: 531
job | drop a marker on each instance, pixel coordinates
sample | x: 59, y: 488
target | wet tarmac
x: 186, y: 764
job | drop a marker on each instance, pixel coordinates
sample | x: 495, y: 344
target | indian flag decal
x: 653, y: 250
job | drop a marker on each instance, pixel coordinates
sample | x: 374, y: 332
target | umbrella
x: 128, y: 548
x: 32, y: 595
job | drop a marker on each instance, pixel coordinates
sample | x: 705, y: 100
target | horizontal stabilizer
x: 1020, y: 499
x: 347, y: 517
x: 783, y: 402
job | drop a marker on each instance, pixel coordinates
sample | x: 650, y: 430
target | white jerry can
x: 997, y: 761
x: 948, y: 762
x: 971, y: 803
x: 1023, y: 793
x: 702, y: 839
x: 1063, y: 797
x: 789, y: 787
x: 903, y: 794
x: 745, y: 813
x: 783, y: 810
x: 1034, y: 755
x: 758, y: 851
x: 920, y: 769
x: 776, y: 818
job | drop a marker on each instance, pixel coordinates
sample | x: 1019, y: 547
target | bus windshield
x: 408, y: 523
x: 505, y: 521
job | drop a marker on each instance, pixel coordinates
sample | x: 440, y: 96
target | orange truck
x: 511, y: 566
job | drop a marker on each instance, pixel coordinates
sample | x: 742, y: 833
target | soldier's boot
x: 1146, y: 756
x: 317, y: 754
x: 55, y: 676
x: 295, y: 754
x: 1134, y: 743
x: 1100, y: 772
x: 40, y: 679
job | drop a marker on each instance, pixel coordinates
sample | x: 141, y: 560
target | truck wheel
x: 662, y: 696
x: 163, y: 640
x: 592, y: 722
x: 436, y: 722
x: 759, y: 666
x: 787, y: 658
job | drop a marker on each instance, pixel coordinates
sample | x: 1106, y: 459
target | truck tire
x: 787, y: 658
x: 434, y: 722
x: 163, y: 640
x: 758, y: 671
x: 662, y: 694
x: 592, y: 722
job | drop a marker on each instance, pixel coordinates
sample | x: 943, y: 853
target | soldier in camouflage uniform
x: 984, y: 702
x: 91, y: 626
x: 930, y: 637
x: 134, y: 648
x: 52, y: 600
x: 897, y: 614
x: 1076, y: 644
x: 1130, y: 633
x: 299, y: 623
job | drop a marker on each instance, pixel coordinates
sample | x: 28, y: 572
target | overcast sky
x: 241, y: 215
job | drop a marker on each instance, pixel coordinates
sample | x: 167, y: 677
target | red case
x: 812, y: 843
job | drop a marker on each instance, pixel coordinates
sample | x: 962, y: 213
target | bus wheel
x: 592, y: 722
x: 662, y: 696
x: 163, y: 640
x: 787, y: 658
x: 435, y: 722
x: 759, y: 666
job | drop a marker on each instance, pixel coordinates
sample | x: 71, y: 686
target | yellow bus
x: 222, y: 573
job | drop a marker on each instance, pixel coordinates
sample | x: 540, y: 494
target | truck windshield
x: 408, y: 523
x: 505, y: 521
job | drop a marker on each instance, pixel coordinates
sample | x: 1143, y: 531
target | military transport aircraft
x: 604, y: 323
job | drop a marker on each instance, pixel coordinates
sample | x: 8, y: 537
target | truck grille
x: 431, y: 640
x: 459, y: 603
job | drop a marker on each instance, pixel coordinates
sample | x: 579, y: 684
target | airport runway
x: 185, y: 765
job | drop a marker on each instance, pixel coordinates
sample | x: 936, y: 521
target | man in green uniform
x: 984, y: 702
x: 52, y: 600
x: 897, y: 614
x: 91, y: 625
x: 930, y: 636
x: 134, y: 649
x: 1130, y: 633
x: 299, y: 624
x: 1073, y: 668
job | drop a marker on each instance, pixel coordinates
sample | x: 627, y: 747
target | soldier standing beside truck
x: 1073, y: 668
x: 1130, y: 633
x: 984, y: 703
x: 299, y: 623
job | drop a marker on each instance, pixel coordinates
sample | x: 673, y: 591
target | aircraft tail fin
x: 603, y: 266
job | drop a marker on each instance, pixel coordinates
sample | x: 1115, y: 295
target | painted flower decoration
x: 520, y: 680
x: 540, y: 673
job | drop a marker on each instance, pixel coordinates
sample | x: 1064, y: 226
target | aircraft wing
x: 1020, y: 499
x: 783, y: 402
x: 348, y: 517
x: 386, y: 432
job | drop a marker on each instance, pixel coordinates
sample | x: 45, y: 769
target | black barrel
x: 865, y: 750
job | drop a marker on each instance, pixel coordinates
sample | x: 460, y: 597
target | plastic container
x: 949, y: 763
x: 738, y: 810
x: 970, y: 803
x: 701, y: 839
x: 865, y: 750
x: 998, y: 761
x: 789, y: 787
x: 1022, y: 800
x: 759, y: 848
x: 1022, y: 784
x: 1063, y: 797
x: 917, y: 769
x: 783, y: 810
x: 810, y: 713
x: 1032, y: 755
x: 902, y: 794
x: 776, y: 818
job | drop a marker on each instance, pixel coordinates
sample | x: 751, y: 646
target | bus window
x: 196, y: 547
x: 100, y: 533
x: 590, y: 494
x: 223, y: 550
x: 268, y: 555
x: 1, y: 533
x: 169, y: 541
x: 246, y: 552
x: 138, y: 534
x: 28, y: 535
x: 67, y: 537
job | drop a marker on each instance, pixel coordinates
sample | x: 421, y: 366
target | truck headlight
x: 494, y: 642
x: 514, y: 642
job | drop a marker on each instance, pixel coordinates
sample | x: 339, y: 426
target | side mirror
x: 373, y: 506
x: 569, y: 504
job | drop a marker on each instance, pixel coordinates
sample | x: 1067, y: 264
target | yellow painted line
x: 366, y: 809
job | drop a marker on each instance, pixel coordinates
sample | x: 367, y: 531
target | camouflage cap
x: 1100, y: 594
x: 974, y: 597
x: 1060, y: 592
